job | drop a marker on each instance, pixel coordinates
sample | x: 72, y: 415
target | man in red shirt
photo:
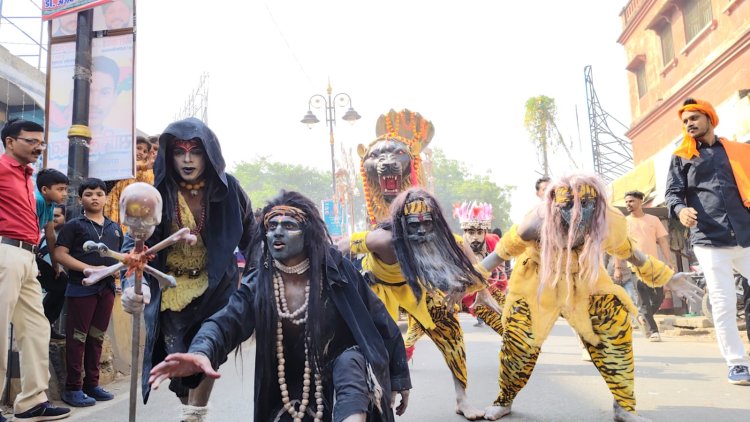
x: 20, y: 292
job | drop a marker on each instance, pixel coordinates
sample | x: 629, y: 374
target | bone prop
x: 95, y: 275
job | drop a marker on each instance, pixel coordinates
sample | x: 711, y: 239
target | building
x: 678, y: 49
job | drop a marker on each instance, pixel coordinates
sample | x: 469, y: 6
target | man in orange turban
x: 708, y: 189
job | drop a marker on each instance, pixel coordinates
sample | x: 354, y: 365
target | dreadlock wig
x: 316, y: 243
x: 440, y: 263
x: 574, y: 229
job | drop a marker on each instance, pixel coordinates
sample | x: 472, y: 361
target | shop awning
x: 641, y: 178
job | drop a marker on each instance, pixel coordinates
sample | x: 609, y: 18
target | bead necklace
x: 283, y: 311
x: 294, y: 269
x: 199, y: 226
x: 193, y: 188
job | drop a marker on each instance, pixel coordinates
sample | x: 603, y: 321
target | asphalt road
x: 680, y: 379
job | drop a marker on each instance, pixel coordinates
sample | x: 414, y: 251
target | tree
x: 540, y: 122
x: 454, y: 183
x: 263, y: 179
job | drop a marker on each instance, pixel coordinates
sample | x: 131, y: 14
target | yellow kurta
x: 552, y: 302
x: 185, y: 257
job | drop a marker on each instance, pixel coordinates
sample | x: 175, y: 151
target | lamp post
x: 329, y: 103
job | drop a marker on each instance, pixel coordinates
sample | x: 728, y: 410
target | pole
x: 136, y: 340
x: 331, y: 120
x: 79, y: 133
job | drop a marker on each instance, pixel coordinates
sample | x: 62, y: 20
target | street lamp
x: 329, y: 103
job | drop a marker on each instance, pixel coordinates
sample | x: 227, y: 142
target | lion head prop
x: 391, y: 163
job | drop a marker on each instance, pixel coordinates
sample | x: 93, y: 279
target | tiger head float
x: 391, y: 163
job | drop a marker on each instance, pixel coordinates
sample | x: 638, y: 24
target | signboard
x: 117, y: 14
x: 52, y: 9
x: 111, y: 121
x: 334, y: 217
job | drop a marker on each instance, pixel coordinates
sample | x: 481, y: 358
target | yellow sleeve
x: 511, y: 244
x: 357, y: 243
x: 654, y: 272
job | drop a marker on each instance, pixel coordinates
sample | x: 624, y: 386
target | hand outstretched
x: 179, y: 365
x: 681, y: 285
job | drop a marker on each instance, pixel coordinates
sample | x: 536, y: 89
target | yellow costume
x: 599, y: 314
x: 429, y: 312
x: 183, y: 260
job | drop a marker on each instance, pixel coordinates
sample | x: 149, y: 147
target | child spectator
x: 89, y: 307
x: 52, y: 189
x: 144, y: 173
x: 53, y: 280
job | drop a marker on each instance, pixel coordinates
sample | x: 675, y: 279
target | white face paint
x: 286, y: 240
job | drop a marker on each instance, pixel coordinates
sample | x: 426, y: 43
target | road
x: 682, y: 378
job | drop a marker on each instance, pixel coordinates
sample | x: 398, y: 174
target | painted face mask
x: 418, y: 219
x: 285, y: 238
x: 587, y: 196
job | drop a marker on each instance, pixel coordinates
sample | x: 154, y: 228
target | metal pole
x: 331, y: 120
x: 79, y: 133
x: 135, y: 347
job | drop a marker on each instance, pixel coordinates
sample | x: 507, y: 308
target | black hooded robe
x: 229, y: 221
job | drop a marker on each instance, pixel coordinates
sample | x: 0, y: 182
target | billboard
x: 52, y: 9
x: 117, y: 14
x: 111, y: 154
x: 334, y: 217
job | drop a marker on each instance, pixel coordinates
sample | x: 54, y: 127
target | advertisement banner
x: 117, y: 14
x: 334, y: 217
x: 111, y: 154
x: 52, y: 9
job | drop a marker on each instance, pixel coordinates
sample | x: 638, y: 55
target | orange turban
x: 738, y: 153
x: 688, y: 148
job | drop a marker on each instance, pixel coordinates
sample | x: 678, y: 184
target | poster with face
x: 117, y: 14
x: 110, y: 108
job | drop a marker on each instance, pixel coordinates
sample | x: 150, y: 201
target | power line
x: 288, y: 46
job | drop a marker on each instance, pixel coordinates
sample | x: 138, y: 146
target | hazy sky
x: 468, y: 66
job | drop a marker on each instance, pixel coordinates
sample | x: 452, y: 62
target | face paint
x: 564, y: 199
x: 419, y: 227
x: 285, y: 239
x: 474, y: 236
x: 189, y: 160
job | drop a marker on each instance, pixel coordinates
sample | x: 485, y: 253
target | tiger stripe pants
x: 613, y: 357
x: 447, y: 328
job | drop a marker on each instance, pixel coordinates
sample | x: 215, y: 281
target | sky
x: 468, y: 66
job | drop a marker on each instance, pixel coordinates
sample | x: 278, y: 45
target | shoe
x: 55, y: 335
x: 98, y: 393
x: 654, y: 338
x: 43, y: 412
x: 77, y: 398
x: 739, y: 375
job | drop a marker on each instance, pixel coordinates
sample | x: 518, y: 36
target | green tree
x: 454, y: 183
x: 263, y: 179
x: 540, y: 122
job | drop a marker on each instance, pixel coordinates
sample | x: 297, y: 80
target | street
x: 682, y: 378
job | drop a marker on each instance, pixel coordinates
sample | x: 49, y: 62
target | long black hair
x: 404, y: 250
x: 317, y: 241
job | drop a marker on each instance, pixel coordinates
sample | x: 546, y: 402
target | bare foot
x: 468, y: 411
x: 494, y: 413
x: 622, y: 415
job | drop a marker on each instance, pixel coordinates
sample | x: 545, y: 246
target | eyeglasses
x: 32, y: 142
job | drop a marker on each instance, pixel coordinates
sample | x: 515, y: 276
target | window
x: 697, y: 14
x: 667, y: 47
x: 640, y: 77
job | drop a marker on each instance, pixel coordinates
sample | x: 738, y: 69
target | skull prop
x: 140, y: 209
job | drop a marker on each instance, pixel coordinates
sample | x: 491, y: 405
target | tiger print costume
x: 599, y: 314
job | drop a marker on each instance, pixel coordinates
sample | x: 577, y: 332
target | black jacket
x: 364, y: 319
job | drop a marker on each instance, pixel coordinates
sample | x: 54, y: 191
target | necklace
x: 283, y: 311
x: 199, y: 226
x: 294, y: 269
x: 99, y: 235
x: 194, y: 187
